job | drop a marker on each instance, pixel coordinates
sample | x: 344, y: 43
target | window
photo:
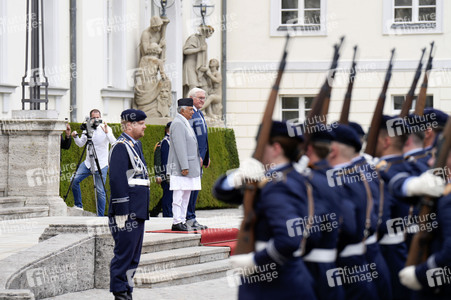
x: 115, y: 24
x: 398, y: 101
x: 412, y: 16
x: 301, y: 17
x: 294, y: 107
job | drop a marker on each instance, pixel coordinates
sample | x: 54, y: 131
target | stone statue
x: 150, y: 78
x: 155, y: 33
x: 164, y: 99
x: 213, y: 105
x: 195, y: 60
x: 147, y: 82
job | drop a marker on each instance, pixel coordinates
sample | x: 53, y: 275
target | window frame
x: 398, y: 111
x: 390, y: 27
x: 279, y: 29
x: 302, y: 110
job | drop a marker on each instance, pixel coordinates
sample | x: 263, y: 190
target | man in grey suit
x: 183, y: 163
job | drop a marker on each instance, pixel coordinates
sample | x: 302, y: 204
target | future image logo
x: 438, y: 276
x: 350, y: 275
x: 396, y: 127
x: 334, y: 177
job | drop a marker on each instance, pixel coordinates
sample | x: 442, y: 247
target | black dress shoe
x: 121, y: 296
x: 197, y: 226
x: 179, y: 227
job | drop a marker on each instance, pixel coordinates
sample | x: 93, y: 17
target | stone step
x: 7, y: 202
x: 182, y: 275
x: 154, y: 242
x: 167, y: 260
x: 14, y: 213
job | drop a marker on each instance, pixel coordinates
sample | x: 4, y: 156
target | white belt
x: 139, y: 181
x: 390, y: 239
x: 321, y: 255
x: 353, y: 249
x: 371, y: 240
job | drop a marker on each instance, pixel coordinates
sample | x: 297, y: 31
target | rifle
x: 378, y: 111
x: 319, y: 103
x: 421, y: 100
x: 331, y: 76
x: 411, y: 94
x: 246, y: 243
x: 347, y: 102
x: 419, y: 246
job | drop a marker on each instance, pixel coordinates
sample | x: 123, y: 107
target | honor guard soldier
x: 413, y: 150
x: 432, y: 279
x: 321, y: 246
x: 275, y: 269
x: 432, y: 132
x: 364, y: 165
x: 355, y: 188
x: 129, y: 205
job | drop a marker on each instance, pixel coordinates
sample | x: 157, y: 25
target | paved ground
x: 19, y: 234
x: 217, y: 289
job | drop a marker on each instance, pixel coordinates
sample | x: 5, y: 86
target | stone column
x: 33, y: 164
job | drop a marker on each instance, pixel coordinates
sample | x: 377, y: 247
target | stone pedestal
x: 30, y: 153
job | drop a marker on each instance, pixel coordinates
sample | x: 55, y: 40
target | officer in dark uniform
x: 373, y: 251
x: 431, y: 134
x: 275, y: 270
x: 358, y: 217
x: 321, y: 246
x: 393, y: 170
x: 129, y: 205
x: 432, y: 279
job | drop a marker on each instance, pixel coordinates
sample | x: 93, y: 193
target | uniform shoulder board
x: 122, y: 140
x: 382, y: 165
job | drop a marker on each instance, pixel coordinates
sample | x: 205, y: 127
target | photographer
x: 101, y: 135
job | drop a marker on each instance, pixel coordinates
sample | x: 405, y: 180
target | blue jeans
x: 80, y: 175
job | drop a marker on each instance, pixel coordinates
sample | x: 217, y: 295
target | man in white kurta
x: 183, y: 163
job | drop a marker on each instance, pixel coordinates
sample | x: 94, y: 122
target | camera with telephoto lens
x: 90, y: 124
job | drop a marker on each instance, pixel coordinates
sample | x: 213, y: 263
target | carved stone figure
x: 155, y: 33
x: 213, y: 105
x: 195, y: 60
x: 147, y: 81
x: 150, y: 77
x: 164, y: 99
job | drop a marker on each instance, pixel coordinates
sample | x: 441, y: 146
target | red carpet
x: 213, y: 237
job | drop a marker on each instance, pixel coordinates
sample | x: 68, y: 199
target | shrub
x: 223, y: 155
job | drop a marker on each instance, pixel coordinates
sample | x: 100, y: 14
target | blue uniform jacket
x: 328, y: 209
x: 125, y: 199
x: 394, y: 173
x: 164, y: 153
x: 418, y: 161
x: 200, y: 129
x: 438, y: 282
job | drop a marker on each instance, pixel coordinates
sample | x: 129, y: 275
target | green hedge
x: 223, y: 155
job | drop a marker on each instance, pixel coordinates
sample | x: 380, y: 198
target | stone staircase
x: 13, y: 208
x: 173, y: 259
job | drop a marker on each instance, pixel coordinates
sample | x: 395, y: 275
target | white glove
x: 302, y: 164
x: 245, y: 262
x: 120, y: 221
x: 427, y: 184
x: 409, y: 279
x: 250, y: 170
